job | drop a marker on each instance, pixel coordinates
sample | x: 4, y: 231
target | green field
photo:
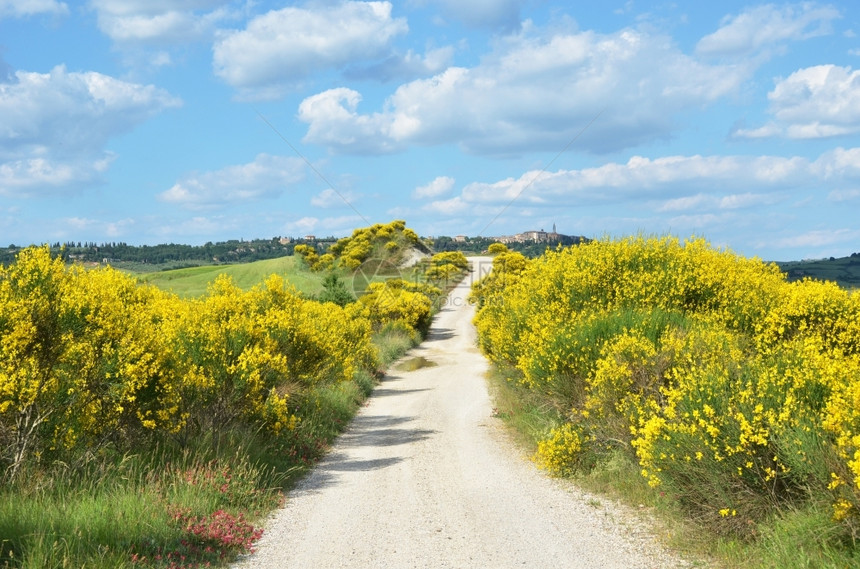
x: 193, y: 281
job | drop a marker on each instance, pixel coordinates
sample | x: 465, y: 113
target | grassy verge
x: 795, y: 539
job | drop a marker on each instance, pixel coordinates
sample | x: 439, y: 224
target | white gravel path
x: 425, y: 477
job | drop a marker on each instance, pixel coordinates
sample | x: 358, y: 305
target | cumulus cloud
x: 839, y: 164
x: 264, y: 178
x: 536, y: 91
x: 24, y: 8
x: 158, y: 21
x: 438, y: 187
x: 279, y: 49
x: 765, y: 26
x: 814, y: 102
x: 43, y: 146
x: 818, y: 101
x: 642, y: 178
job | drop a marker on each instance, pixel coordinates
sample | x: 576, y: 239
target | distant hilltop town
x: 540, y: 236
x: 533, y: 236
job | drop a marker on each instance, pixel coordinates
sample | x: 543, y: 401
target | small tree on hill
x: 334, y: 290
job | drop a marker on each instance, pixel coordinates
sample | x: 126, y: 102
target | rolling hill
x: 193, y: 281
x: 845, y: 271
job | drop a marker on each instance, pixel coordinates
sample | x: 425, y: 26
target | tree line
x: 170, y: 254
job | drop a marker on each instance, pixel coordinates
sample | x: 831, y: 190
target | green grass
x: 137, y: 505
x: 193, y: 281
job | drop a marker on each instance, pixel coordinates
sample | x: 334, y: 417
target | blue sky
x: 187, y: 121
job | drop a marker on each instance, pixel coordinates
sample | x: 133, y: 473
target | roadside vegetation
x: 692, y: 380
x: 142, y: 429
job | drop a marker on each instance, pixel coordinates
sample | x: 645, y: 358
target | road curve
x: 425, y: 477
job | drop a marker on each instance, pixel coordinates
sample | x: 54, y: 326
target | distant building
x: 540, y: 236
x: 310, y: 237
x: 460, y: 238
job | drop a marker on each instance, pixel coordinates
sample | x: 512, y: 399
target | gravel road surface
x: 425, y: 477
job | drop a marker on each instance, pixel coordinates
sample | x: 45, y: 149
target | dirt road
x: 425, y: 477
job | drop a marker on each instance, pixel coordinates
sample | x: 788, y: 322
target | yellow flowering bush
x: 82, y: 363
x: 447, y: 267
x: 378, y: 240
x: 494, y: 306
x: 735, y: 390
x: 397, y: 300
x: 564, y: 451
x: 91, y: 358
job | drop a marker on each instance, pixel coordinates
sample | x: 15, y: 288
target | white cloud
x: 331, y: 225
x: 766, y: 131
x: 80, y: 222
x: 158, y: 21
x: 716, y: 202
x: 722, y: 197
x: 54, y: 126
x: 535, y: 92
x: 333, y: 117
x: 818, y: 238
x: 453, y: 206
x: 678, y: 181
x: 23, y: 178
x: 80, y: 228
x: 764, y: 26
x: 44, y: 111
x: 303, y: 225
x: 844, y: 195
x: 331, y: 198
x: 813, y: 102
x: 838, y: 164
x: 23, y: 8
x: 818, y: 101
x: 119, y: 228
x: 278, y: 50
x: 438, y: 187
x: 266, y: 177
